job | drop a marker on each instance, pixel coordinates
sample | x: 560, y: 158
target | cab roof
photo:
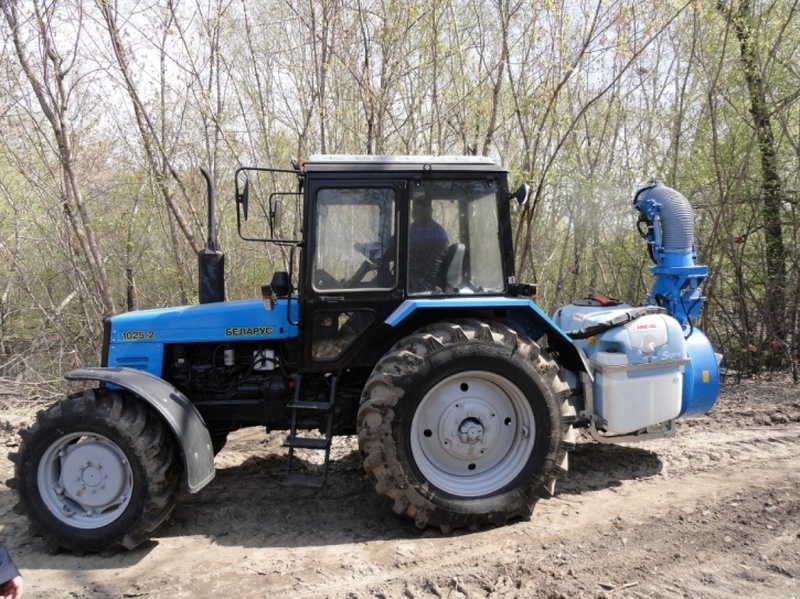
x: 364, y: 163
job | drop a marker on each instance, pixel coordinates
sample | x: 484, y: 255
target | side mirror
x: 244, y: 198
x: 522, y: 193
x: 276, y: 216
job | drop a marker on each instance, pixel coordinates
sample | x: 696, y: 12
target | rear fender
x: 176, y: 410
x: 523, y: 315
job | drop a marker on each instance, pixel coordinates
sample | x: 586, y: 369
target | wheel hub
x: 469, y: 427
x: 471, y: 431
x: 93, y: 474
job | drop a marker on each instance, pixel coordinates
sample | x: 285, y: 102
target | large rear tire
x: 465, y: 423
x: 96, y: 472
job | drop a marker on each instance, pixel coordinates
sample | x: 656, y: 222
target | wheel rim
x: 472, y: 433
x: 85, y: 480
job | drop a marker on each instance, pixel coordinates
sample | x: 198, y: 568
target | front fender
x: 176, y: 410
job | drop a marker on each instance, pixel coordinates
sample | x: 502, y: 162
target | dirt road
x: 711, y: 512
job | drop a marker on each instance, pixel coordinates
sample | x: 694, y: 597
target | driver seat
x: 452, y: 266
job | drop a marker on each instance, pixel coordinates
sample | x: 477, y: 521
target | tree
x: 154, y: 141
x: 739, y: 13
x: 55, y: 84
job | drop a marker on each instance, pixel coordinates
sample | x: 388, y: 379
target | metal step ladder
x: 302, y: 407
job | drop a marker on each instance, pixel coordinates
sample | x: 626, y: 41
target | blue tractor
x: 399, y: 319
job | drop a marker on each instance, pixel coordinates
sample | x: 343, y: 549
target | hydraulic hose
x: 618, y: 321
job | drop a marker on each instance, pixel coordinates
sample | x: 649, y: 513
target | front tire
x: 465, y: 423
x: 96, y: 472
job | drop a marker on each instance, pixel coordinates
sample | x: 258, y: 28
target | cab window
x: 454, y: 244
x: 355, y: 246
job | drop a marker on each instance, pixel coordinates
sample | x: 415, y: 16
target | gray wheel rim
x: 85, y: 480
x: 472, y: 433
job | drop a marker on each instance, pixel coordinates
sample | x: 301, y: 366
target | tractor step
x: 306, y: 481
x: 301, y: 408
x: 307, y: 442
x: 320, y: 406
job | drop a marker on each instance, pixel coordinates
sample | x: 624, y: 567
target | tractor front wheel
x: 465, y: 423
x: 96, y: 472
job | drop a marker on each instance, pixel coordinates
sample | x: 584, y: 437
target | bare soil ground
x: 711, y: 512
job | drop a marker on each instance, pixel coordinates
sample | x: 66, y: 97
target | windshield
x: 454, y: 238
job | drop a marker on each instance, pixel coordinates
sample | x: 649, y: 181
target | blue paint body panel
x: 455, y: 303
x: 137, y: 338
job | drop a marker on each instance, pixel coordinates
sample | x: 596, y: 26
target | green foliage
x: 580, y: 98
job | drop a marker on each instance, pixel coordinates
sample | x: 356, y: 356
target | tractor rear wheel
x: 465, y: 423
x: 96, y: 472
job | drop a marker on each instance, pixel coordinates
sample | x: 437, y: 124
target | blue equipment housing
x: 649, y: 364
x: 670, y: 237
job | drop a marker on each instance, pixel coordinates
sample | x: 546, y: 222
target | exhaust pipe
x: 211, y: 279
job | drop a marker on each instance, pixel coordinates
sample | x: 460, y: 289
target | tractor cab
x: 379, y: 231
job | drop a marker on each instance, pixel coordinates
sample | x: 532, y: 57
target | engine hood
x: 221, y: 321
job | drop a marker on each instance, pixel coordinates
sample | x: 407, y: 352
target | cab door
x: 351, y: 261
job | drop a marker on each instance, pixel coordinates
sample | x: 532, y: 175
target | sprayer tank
x: 646, y: 371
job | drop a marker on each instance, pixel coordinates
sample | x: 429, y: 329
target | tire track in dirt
x: 709, y: 513
x: 726, y: 476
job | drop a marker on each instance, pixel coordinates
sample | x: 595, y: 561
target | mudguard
x: 523, y: 315
x: 176, y: 410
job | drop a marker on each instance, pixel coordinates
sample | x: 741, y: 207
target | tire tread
x: 382, y: 393
x: 134, y: 424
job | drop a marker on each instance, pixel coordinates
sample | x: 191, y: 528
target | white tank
x: 637, y: 362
